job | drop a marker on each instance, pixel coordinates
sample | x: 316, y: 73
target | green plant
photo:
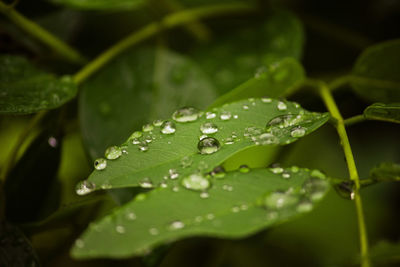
x: 165, y: 171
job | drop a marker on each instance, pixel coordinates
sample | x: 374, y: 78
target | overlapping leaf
x: 383, y: 112
x: 26, y: 89
x: 376, y: 74
x: 155, y: 156
x: 235, y: 205
x: 387, y: 171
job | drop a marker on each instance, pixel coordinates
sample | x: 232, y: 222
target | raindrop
x: 135, y: 141
x: 298, y: 132
x: 136, y: 134
x: 85, y: 187
x: 227, y: 187
x: 244, y: 169
x: 235, y: 209
x: 175, y: 189
x: 196, y: 181
x: 120, y: 229
x: 229, y: 141
x: 345, y: 189
x: 113, y: 152
x: 175, y: 225
x: 153, y: 231
x: 204, y: 195
x: 186, y: 162
x: 245, y: 107
x: 235, y: 116
x: 100, y: 164
x: 210, y: 216
x: 168, y: 127
x: 147, y: 128
x: 146, y: 183
x: 186, y: 114
x: 304, y: 206
x: 279, y: 200
x: 148, y: 139
x: 281, y: 106
x: 225, y: 115
x: 210, y: 115
x: 163, y: 185
x: 295, y: 169
x: 276, y: 170
x: 157, y: 123
x: 315, y: 188
x: 208, y: 128
x: 143, y: 146
x: 244, y: 207
x: 266, y: 100
x: 286, y: 175
x: 208, y: 145
x: 173, y: 174
x: 267, y: 139
x: 131, y: 216
x: 218, y: 172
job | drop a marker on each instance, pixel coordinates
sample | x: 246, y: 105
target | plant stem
x: 168, y: 22
x: 354, y: 120
x: 41, y: 34
x: 340, y: 127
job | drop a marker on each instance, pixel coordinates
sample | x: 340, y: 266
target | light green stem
x: 41, y: 34
x: 170, y: 21
x: 354, y: 120
x: 340, y: 127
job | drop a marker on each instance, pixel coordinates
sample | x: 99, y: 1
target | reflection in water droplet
x: 147, y: 128
x: 186, y: 114
x: 100, y: 164
x: 298, y: 132
x: 113, y: 152
x: 208, y: 145
x: 175, y: 225
x: 85, y: 187
x: 196, y: 181
x: 168, y: 127
x: 281, y: 106
x: 208, y: 128
x: 225, y: 115
x: 146, y: 183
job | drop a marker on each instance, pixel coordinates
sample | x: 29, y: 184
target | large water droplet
x: 146, y: 183
x: 281, y: 106
x: 168, y: 127
x: 225, y: 115
x: 298, y: 132
x: 100, y: 164
x: 208, y: 145
x: 136, y: 135
x: 175, y: 225
x: 113, y: 152
x: 208, y: 128
x: 157, y: 123
x: 196, y: 181
x: 147, y: 128
x: 279, y: 200
x: 186, y: 114
x: 266, y: 139
x: 85, y: 187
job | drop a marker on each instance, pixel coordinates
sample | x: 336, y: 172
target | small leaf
x: 139, y: 86
x: 376, y: 74
x: 383, y: 112
x: 236, y: 205
x: 386, y: 172
x: 147, y: 159
x: 275, y: 80
x: 102, y: 4
x: 235, y: 56
x: 25, y: 89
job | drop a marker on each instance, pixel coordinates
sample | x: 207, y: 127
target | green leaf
x: 376, y: 74
x: 102, y: 4
x: 235, y: 56
x: 276, y: 80
x: 139, y: 86
x: 238, y: 204
x: 155, y: 155
x: 26, y: 89
x: 385, y: 253
x: 383, y: 112
x: 386, y: 172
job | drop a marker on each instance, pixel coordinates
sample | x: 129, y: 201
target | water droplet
x: 175, y: 225
x: 186, y: 162
x: 175, y: 188
x: 143, y: 146
x: 266, y: 139
x: 227, y: 187
x: 315, y: 188
x: 244, y: 169
x: 153, y: 231
x: 208, y: 145
x: 204, y: 195
x: 304, y: 206
x: 210, y: 115
x: 186, y: 114
x: 136, y: 134
x: 135, y: 141
x: 210, y: 216
x: 235, y: 116
x: 168, y: 127
x: 208, y: 128
x: 173, y: 174
x: 279, y: 200
x: 298, y: 132
x: 148, y: 139
x: 120, y: 229
x: 157, y: 123
x: 79, y: 243
x: 244, y: 207
x: 266, y: 100
x: 218, y: 172
x: 52, y: 141
x: 131, y: 216
x: 286, y: 175
x: 100, y: 164
x: 225, y: 115
x: 318, y: 174
x: 147, y: 128
x: 345, y: 189
x: 229, y: 141
x: 235, y: 209
x: 146, y: 183
x: 276, y: 170
x: 281, y: 106
x: 113, y: 152
x: 196, y: 181
x: 295, y: 169
x: 85, y: 187
x: 245, y: 107
x: 163, y: 185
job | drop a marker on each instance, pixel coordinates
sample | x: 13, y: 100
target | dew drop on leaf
x: 186, y: 162
x: 315, y: 188
x: 143, y: 146
x: 204, y: 195
x: 208, y: 128
x: 281, y: 106
x: 85, y: 187
x: 225, y: 115
x: 298, y: 132
x: 100, y: 164
x: 175, y: 225
x: 157, y: 123
x: 147, y: 128
x: 210, y: 115
x: 153, y: 231
x: 146, y: 183
x: 131, y: 216
x: 168, y: 127
x: 208, y: 145
x: 173, y: 174
x: 266, y: 100
x: 279, y: 200
x: 196, y: 181
x: 244, y: 169
x: 120, y: 229
x: 113, y: 152
x: 186, y: 114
